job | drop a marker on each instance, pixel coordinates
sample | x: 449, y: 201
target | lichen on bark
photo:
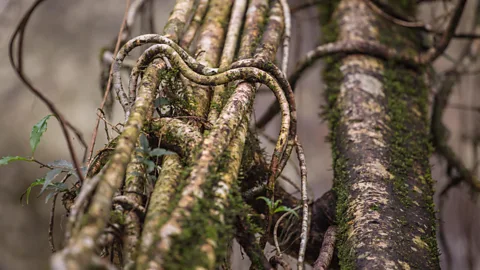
x: 377, y: 112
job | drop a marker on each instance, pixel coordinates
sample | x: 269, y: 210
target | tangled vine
x: 191, y: 94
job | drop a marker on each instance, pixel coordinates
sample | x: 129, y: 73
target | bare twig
x: 409, y: 24
x: 439, y: 133
x: 109, y: 83
x: 439, y: 48
x: 52, y: 218
x: 286, y: 35
x: 305, y: 213
x: 18, y: 67
x: 102, y: 116
x: 275, y: 230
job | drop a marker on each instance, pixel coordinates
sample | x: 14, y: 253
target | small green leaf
x: 83, y: 170
x: 29, y: 189
x: 267, y: 200
x: 152, y: 178
x: 37, y: 132
x: 59, y: 186
x: 157, y: 152
x: 144, y: 143
x: 62, y: 164
x: 150, y: 165
x: 284, y: 208
x: 49, y: 178
x: 7, y: 159
x: 50, y: 195
x: 161, y: 101
x: 276, y: 203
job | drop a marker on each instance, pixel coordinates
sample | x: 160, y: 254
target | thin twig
x: 286, y: 36
x: 102, y: 116
x: 64, y: 124
x: 275, y: 230
x: 52, y: 218
x: 434, y: 52
x: 409, y: 24
x: 290, y: 181
x: 305, y: 213
x: 109, y: 83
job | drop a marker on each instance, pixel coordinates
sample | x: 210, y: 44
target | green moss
x: 117, y: 217
x: 201, y: 224
x: 172, y: 83
x: 332, y: 77
x: 407, y: 98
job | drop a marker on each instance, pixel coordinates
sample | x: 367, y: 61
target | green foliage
x: 54, y: 187
x: 158, y: 152
x: 56, y: 167
x: 161, y: 101
x: 8, y: 159
x: 146, y: 154
x: 275, y: 207
x: 51, y: 175
x: 37, y: 132
x: 67, y: 167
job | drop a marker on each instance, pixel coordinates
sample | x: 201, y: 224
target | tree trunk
x: 378, y: 113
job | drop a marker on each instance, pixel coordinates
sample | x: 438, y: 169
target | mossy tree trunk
x: 378, y: 113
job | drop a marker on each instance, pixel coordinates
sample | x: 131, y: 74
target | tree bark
x: 378, y: 119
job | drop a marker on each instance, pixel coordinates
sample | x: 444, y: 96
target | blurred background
x: 62, y: 58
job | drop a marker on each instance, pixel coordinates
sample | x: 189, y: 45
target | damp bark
x: 378, y: 120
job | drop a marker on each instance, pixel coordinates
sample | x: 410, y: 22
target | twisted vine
x: 227, y: 134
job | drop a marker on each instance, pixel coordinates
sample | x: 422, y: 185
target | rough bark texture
x: 378, y: 119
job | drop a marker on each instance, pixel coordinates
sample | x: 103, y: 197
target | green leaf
x: 37, y: 132
x: 49, y: 178
x: 150, y: 165
x: 284, y: 208
x: 29, y: 189
x: 50, y: 195
x: 157, y: 152
x: 7, y: 159
x: 62, y: 164
x: 161, y: 101
x: 67, y: 166
x: 59, y: 186
x: 267, y: 200
x: 276, y: 203
x: 144, y: 143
